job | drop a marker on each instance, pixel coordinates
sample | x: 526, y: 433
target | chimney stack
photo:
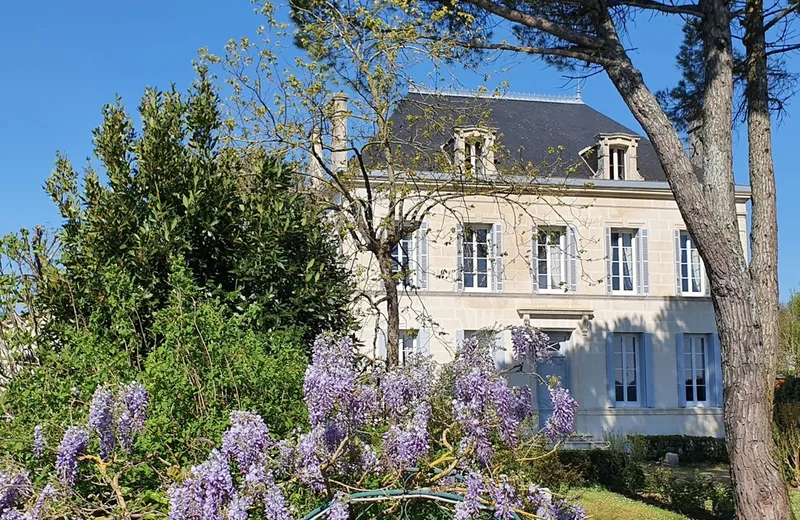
x: 314, y: 166
x: 339, y: 132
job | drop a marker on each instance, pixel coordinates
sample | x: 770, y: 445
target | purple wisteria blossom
x: 247, y: 441
x: 15, y: 486
x: 397, y: 391
x: 72, y: 446
x: 529, y: 345
x: 403, y: 447
x: 239, y: 507
x: 338, y: 510
x: 275, y: 507
x: 38, y: 441
x: 205, y: 493
x: 308, y: 466
x: 562, y: 422
x: 101, y: 420
x: 505, y: 499
x: 470, y: 507
x: 132, y: 401
x: 285, y: 454
x: 331, y: 378
x: 47, y: 496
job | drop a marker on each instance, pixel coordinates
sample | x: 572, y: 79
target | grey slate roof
x: 526, y: 129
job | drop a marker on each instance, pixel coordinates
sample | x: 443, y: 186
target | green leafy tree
x: 240, y: 223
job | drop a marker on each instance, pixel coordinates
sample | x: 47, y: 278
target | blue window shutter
x: 649, y: 376
x: 678, y: 279
x: 644, y: 261
x: 572, y: 259
x: 715, y: 369
x: 499, y: 351
x: 380, y: 344
x: 459, y: 257
x: 534, y: 259
x: 424, y: 342
x: 612, y: 393
x: 497, y: 231
x: 679, y: 350
x: 608, y: 260
x: 421, y: 250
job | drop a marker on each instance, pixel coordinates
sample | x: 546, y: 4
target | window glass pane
x: 689, y: 390
x: 696, y: 272
x: 632, y: 397
x: 483, y: 281
x: 701, y: 392
x: 555, y: 263
x: 468, y: 279
x: 620, y: 391
x: 627, y: 268
x: 482, y: 265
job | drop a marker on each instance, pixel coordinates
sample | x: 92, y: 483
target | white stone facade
x: 589, y: 317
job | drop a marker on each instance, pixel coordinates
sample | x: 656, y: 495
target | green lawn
x: 605, y: 505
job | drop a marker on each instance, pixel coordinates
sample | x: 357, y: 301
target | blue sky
x: 64, y: 60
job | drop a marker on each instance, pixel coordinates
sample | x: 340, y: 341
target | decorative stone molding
x: 583, y: 316
x: 486, y: 136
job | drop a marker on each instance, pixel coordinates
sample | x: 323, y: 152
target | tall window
x: 477, y: 266
x: 691, y: 266
x: 401, y: 261
x: 618, y: 164
x: 474, y: 156
x: 551, y: 259
x: 627, y: 351
x: 696, y: 368
x: 623, y: 261
x: 408, y: 344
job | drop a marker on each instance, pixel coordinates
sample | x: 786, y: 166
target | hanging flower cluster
x: 362, y: 421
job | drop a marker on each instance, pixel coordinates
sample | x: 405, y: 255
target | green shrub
x: 688, y: 495
x: 789, y: 391
x: 690, y: 449
x: 610, y: 469
x: 722, y: 504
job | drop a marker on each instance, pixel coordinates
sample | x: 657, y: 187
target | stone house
x: 601, y: 261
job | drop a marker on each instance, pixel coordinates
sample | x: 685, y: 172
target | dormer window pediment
x: 617, y: 157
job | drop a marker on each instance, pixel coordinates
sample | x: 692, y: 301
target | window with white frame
x: 551, y: 259
x: 477, y: 266
x: 691, y: 266
x: 401, y: 261
x: 627, y: 369
x: 618, y: 169
x: 408, y: 344
x: 695, y: 365
x: 623, y: 261
x: 474, y: 155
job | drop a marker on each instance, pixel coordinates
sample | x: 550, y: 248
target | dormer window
x: 617, y: 157
x: 471, y: 150
x: 618, y: 163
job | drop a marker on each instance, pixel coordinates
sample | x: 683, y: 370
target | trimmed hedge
x: 610, y: 469
x: 689, y: 449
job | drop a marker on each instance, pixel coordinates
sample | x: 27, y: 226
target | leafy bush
x: 610, y: 469
x: 690, y: 449
x: 690, y: 495
x: 208, y: 361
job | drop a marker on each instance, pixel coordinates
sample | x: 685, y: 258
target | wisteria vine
x: 417, y: 425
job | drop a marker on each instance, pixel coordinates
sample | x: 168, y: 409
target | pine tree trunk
x: 759, y: 489
x: 770, y: 498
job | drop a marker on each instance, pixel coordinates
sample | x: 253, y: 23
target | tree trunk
x: 392, y: 307
x: 770, y: 499
x: 759, y: 490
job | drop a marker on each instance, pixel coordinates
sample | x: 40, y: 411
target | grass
x: 605, y: 505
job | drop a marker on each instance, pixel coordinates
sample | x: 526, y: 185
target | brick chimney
x: 339, y: 132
